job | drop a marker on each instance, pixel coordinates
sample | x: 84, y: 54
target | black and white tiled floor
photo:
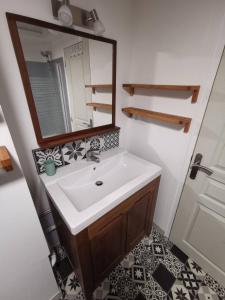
x: 155, y: 269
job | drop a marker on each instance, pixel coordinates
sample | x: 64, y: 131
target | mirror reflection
x: 70, y: 77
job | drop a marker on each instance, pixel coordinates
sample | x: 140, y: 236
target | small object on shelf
x: 5, y: 160
x: 130, y: 87
x: 98, y: 86
x: 96, y: 105
x: 173, y: 119
x: 50, y: 169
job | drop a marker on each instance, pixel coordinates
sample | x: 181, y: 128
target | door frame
x: 215, y: 61
x: 61, y: 76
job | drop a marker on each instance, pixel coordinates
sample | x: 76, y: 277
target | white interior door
x: 199, y: 226
x: 78, y: 75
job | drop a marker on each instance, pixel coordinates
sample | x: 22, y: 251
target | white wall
x: 171, y: 42
x: 13, y: 98
x: 25, y: 269
x: 32, y: 47
x: 101, y: 73
x: 174, y: 42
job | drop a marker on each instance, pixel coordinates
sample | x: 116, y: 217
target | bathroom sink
x: 85, y: 191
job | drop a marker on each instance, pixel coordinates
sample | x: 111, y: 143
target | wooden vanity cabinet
x: 96, y: 250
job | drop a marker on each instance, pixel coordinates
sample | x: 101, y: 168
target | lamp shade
x: 65, y: 15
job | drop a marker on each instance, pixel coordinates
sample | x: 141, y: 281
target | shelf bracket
x: 187, y: 125
x: 93, y: 90
x: 131, y: 91
x: 195, y: 95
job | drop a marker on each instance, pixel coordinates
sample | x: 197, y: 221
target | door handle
x: 196, y: 166
x: 89, y: 125
x: 86, y: 123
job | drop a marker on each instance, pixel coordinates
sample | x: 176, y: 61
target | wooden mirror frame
x: 67, y: 137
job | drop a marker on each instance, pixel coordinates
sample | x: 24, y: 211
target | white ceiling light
x: 65, y: 14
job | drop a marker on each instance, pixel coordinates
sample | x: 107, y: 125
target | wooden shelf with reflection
x: 130, y: 88
x: 99, y: 86
x: 96, y: 105
x: 167, y: 118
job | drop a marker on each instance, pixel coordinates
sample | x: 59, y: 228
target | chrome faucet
x: 91, y: 155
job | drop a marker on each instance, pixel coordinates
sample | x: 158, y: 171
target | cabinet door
x: 137, y: 220
x: 108, y: 247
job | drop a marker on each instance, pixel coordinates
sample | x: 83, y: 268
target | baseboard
x: 58, y: 296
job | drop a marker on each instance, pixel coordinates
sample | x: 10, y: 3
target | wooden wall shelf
x: 5, y: 160
x: 148, y: 114
x: 98, y: 86
x: 96, y: 105
x: 130, y: 88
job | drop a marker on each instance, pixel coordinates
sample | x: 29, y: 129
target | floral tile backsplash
x: 95, y: 143
x: 75, y: 151
x: 41, y: 155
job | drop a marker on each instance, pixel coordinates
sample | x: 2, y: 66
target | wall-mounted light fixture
x: 65, y: 14
x: 97, y: 24
x: 71, y: 15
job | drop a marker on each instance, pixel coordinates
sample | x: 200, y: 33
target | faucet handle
x: 93, y: 152
x: 96, y: 152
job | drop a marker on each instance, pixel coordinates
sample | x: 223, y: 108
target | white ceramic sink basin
x: 80, y: 201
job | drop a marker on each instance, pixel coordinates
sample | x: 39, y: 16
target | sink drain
x: 99, y: 182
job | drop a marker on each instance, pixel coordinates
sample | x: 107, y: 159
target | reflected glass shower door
x: 48, y: 86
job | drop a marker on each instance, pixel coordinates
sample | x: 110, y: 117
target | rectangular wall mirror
x: 69, y: 78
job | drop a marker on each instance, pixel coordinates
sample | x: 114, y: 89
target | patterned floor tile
x: 173, y: 264
x: 179, y: 254
x: 214, y: 285
x: 152, y: 290
x: 72, y: 286
x: 128, y: 261
x: 196, y: 269
x: 205, y: 293
x: 149, y: 261
x: 79, y: 296
x: 158, y: 249
x: 158, y: 237
x: 138, y: 274
x: 111, y: 297
x: 125, y: 289
x: 64, y: 268
x: 155, y: 235
x: 189, y: 280
x: 140, y: 248
x: 60, y: 284
x: 155, y: 269
x: 102, y: 291
x: 163, y: 277
x: 180, y: 292
x: 115, y: 276
x: 140, y: 297
x: 147, y: 241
